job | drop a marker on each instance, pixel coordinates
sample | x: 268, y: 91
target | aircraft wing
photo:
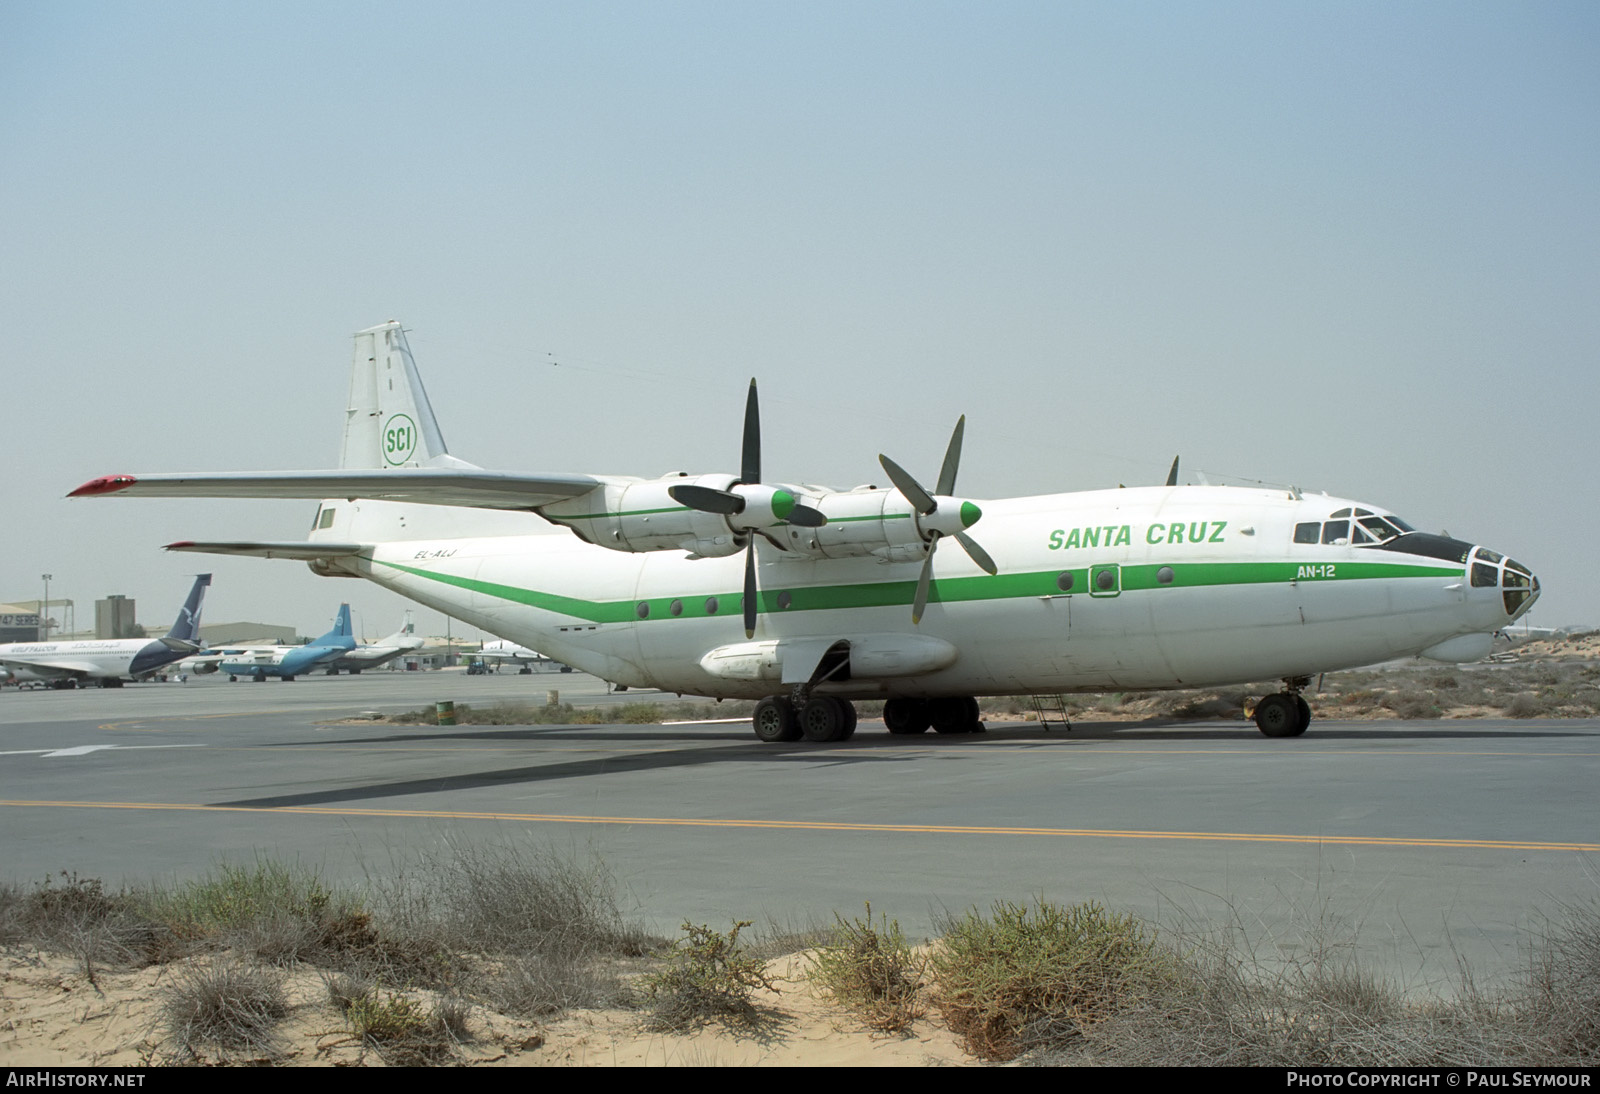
x: 473, y: 488
x: 294, y: 549
x: 51, y: 668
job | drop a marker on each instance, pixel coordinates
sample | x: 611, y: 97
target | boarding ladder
x: 1050, y: 708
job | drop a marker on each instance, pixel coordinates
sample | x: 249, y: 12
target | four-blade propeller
x: 749, y: 504
x: 940, y: 514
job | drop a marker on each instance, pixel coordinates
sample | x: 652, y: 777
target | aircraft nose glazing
x: 1518, y: 586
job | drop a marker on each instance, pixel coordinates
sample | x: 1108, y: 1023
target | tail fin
x: 186, y: 628
x: 342, y: 633
x: 389, y: 421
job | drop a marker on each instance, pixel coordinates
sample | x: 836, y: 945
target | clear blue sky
x: 1348, y: 246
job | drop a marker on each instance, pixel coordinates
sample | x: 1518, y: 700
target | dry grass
x: 225, y: 1005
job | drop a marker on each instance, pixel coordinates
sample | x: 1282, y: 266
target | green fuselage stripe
x: 812, y: 598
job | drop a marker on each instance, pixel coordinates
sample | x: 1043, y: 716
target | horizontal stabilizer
x: 473, y: 488
x: 294, y: 549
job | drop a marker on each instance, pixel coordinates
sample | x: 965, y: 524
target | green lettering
x: 1155, y: 533
x: 1072, y: 540
x: 1123, y: 537
x: 1091, y: 537
x: 1055, y: 540
x: 1216, y: 533
x: 1175, y: 533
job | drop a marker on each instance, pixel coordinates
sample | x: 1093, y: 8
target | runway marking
x: 84, y: 750
x: 842, y: 826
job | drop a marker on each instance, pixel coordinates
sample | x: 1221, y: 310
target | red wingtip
x: 178, y: 546
x: 106, y: 484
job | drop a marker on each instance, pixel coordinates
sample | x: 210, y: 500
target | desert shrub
x: 1221, y: 1008
x: 1003, y: 976
x: 230, y: 1006
x: 1524, y: 704
x: 78, y: 916
x: 1562, y: 991
x: 546, y: 926
x: 709, y: 976
x: 1413, y: 703
x: 279, y: 912
x: 402, y: 1030
x: 870, y: 969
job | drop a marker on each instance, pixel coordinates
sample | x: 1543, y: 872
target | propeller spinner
x: 940, y: 514
x: 749, y: 504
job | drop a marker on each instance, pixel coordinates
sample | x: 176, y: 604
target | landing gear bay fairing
x: 806, y: 598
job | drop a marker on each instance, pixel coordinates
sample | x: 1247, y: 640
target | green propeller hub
x: 783, y: 504
x: 970, y: 514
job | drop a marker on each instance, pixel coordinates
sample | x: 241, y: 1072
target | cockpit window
x: 1380, y: 528
x: 1368, y: 529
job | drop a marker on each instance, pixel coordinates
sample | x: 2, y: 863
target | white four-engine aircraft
x: 805, y: 598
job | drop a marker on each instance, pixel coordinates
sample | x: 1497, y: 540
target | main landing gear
x: 819, y: 718
x: 824, y: 718
x: 1285, y: 714
x: 949, y: 714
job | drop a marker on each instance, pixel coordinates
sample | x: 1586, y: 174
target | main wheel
x: 1278, y: 715
x: 1305, y: 716
x: 850, y: 718
x: 906, y: 716
x: 774, y: 720
x: 954, y: 714
x: 822, y: 719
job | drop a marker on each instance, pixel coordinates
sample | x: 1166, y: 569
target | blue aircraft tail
x: 343, y: 634
x: 185, y: 632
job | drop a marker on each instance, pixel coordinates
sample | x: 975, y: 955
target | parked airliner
x: 805, y: 598
x: 108, y: 662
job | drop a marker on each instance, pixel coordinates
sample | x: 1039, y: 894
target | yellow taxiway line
x: 838, y: 826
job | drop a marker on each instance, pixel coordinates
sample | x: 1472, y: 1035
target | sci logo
x: 399, y: 439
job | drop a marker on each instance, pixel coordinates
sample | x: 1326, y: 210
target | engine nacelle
x: 864, y: 521
x: 642, y: 516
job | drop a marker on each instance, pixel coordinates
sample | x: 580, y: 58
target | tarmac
x: 1407, y: 844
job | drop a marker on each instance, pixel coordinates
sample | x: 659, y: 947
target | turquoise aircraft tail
x: 342, y: 634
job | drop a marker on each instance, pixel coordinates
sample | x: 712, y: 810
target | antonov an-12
x: 806, y: 598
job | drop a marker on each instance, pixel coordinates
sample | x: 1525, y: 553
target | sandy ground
x: 52, y: 1015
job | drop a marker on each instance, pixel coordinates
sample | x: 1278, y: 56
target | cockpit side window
x: 1380, y: 528
x: 1367, y: 529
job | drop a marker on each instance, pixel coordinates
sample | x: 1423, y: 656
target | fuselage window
x: 1309, y: 532
x: 711, y: 605
x: 1336, y: 530
x: 1484, y: 577
x: 327, y: 518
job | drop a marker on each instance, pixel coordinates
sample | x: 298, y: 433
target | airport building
x: 18, y: 624
x: 116, y: 617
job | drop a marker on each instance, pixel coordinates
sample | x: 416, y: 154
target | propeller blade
x: 977, y: 554
x: 750, y: 589
x: 920, y: 602
x: 806, y: 517
x: 750, y: 456
x: 915, y: 494
x: 1172, y: 476
x: 952, y: 460
x: 707, y: 500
